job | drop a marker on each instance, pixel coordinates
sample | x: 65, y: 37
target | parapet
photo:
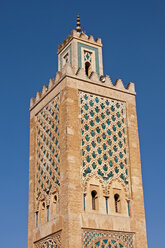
x: 80, y: 75
x: 81, y: 36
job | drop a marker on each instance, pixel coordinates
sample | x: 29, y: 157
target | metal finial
x: 78, y: 28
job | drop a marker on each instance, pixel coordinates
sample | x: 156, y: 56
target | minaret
x: 85, y: 184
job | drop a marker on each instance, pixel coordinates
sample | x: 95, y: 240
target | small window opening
x: 36, y: 219
x: 55, y: 204
x: 47, y: 213
x: 43, y: 212
x: 128, y: 208
x: 117, y: 202
x: 84, y: 195
x: 55, y: 198
x: 87, y: 67
x: 94, y: 197
x: 106, y: 201
x: 66, y: 58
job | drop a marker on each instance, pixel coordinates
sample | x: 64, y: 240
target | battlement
x: 80, y: 36
x: 80, y: 74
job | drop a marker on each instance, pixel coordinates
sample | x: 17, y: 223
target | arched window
x: 55, y: 198
x: 55, y: 204
x: 94, y: 199
x: 43, y: 212
x: 128, y: 208
x: 117, y: 203
x: 87, y: 68
x: 36, y: 219
x: 47, y: 213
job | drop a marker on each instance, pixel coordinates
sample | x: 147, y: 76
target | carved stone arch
x: 36, y: 206
x: 43, y: 197
x: 42, y: 207
x: 54, y: 190
x: 125, y: 190
x: 52, y: 241
x: 48, y: 200
x: 85, y: 185
x: 119, y: 197
x: 54, y: 202
x: 107, y: 242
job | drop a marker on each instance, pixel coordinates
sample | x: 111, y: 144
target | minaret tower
x: 85, y: 184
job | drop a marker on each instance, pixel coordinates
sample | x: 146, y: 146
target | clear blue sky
x: 133, y: 35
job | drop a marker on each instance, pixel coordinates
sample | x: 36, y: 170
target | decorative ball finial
x: 78, y: 28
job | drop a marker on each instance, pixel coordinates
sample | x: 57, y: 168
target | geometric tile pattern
x: 53, y: 241
x: 87, y: 56
x: 104, y: 139
x: 67, y: 59
x: 47, y: 176
x: 107, y: 239
x: 94, y: 53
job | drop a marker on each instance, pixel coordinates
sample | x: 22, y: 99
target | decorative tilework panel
x: 87, y: 57
x: 53, y: 241
x: 80, y: 45
x: 107, y: 239
x: 104, y: 138
x: 69, y: 58
x: 48, y: 149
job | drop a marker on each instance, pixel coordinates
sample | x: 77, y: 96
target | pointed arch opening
x: 55, y: 199
x: 87, y: 68
x: 43, y: 211
x: 94, y: 199
x: 117, y: 203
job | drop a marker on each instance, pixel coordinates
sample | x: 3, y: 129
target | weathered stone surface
x: 68, y: 214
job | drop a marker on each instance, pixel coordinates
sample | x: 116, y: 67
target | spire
x: 78, y: 28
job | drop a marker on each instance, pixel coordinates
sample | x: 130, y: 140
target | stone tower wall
x: 85, y: 183
x: 74, y: 226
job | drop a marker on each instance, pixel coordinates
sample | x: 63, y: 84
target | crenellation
x: 108, y: 81
x: 81, y: 73
x: 38, y: 95
x: 131, y: 87
x: 74, y: 33
x: 81, y: 36
x: 64, y: 42
x: 32, y: 102
x: 51, y: 83
x: 84, y: 36
x: 90, y: 38
x: 59, y: 47
x: 44, y: 89
x: 68, y: 38
x: 98, y: 40
x: 58, y: 76
x: 119, y: 84
x: 94, y: 76
x: 67, y: 70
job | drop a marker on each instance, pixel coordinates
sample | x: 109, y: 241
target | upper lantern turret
x: 81, y: 51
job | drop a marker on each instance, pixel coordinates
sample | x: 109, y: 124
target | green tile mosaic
x: 47, y: 171
x: 87, y: 55
x: 107, y: 239
x: 53, y: 241
x: 104, y: 138
x: 68, y: 59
